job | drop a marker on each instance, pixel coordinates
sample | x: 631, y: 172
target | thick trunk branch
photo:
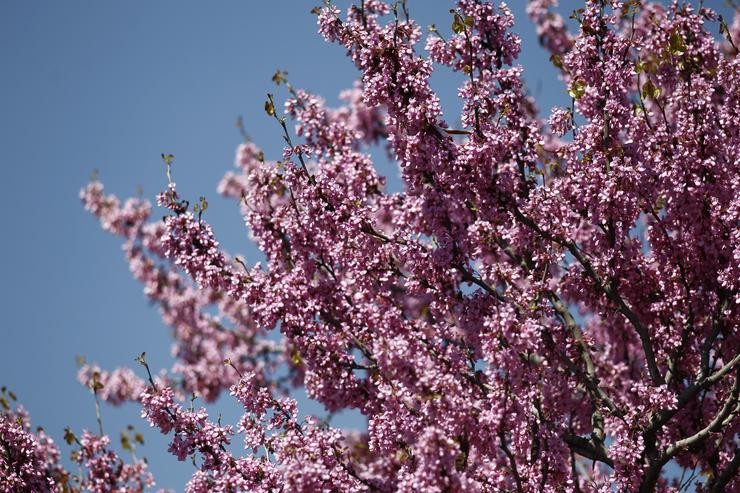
x: 729, y: 409
x: 690, y: 392
x: 586, y: 448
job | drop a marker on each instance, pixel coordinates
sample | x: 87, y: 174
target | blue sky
x: 110, y: 86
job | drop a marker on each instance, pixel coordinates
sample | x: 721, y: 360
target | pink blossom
x: 531, y: 313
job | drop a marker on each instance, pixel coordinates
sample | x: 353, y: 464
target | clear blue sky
x: 110, y: 85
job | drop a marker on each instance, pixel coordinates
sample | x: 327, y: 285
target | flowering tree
x: 545, y: 307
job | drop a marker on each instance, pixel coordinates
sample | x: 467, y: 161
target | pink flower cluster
x: 116, y: 387
x: 105, y: 471
x: 549, y: 305
x: 28, y: 461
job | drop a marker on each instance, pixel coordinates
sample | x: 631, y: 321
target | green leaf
x: 576, y: 15
x: 432, y: 396
x: 269, y: 108
x: 577, y: 89
x: 168, y: 158
x: 458, y: 25
x: 69, y: 437
x: 630, y: 7
x: 95, y: 383
x: 557, y: 60
x: 650, y: 91
x: 676, y: 44
x: 279, y: 77
x: 141, y: 359
x: 126, y: 442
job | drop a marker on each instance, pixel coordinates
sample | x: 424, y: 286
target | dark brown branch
x: 598, y: 396
x: 470, y: 277
x: 584, y: 447
x: 729, y: 408
x: 716, y: 328
x: 730, y: 472
x: 690, y: 392
x: 606, y: 288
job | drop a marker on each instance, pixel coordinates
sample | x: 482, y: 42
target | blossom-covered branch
x: 548, y: 304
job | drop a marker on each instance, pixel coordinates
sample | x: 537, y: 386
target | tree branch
x: 606, y: 288
x: 728, y: 409
x: 730, y: 472
x: 585, y: 447
x: 690, y: 392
